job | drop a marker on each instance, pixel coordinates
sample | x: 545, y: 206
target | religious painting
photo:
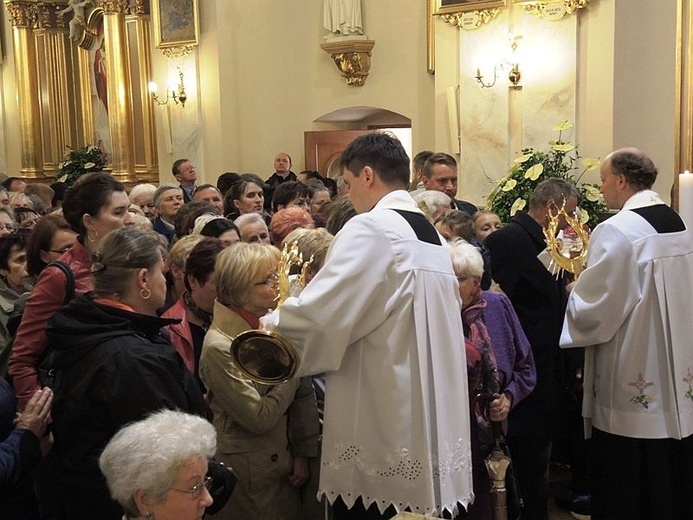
x: 460, y: 6
x: 175, y: 23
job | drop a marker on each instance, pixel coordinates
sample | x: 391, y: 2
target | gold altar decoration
x: 552, y: 10
x: 573, y: 257
x: 471, y: 19
x: 441, y: 7
x: 54, y: 84
x: 352, y: 58
x: 467, y: 14
x: 265, y: 356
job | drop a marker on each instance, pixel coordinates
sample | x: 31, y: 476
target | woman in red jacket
x: 194, y: 308
x: 95, y: 205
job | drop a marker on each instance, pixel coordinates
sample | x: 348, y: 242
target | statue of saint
x: 343, y: 18
x: 78, y: 20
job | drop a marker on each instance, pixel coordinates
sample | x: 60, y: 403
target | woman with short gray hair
x: 500, y: 366
x: 156, y: 468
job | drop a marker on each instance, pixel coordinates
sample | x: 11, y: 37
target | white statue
x: 78, y: 20
x: 343, y: 18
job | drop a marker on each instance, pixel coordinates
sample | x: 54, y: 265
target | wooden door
x: 323, y: 149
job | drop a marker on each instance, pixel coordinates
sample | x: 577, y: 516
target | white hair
x: 141, y: 189
x: 432, y: 203
x: 203, y: 220
x: 249, y: 218
x: 466, y: 259
x: 147, y: 455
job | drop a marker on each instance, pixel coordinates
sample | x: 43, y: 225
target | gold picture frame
x: 175, y: 23
x: 442, y: 7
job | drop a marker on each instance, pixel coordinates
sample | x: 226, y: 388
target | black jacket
x: 112, y: 367
x: 538, y: 300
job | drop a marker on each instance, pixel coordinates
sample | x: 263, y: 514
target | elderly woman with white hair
x: 142, y: 196
x: 433, y: 204
x: 499, y: 362
x: 157, y: 467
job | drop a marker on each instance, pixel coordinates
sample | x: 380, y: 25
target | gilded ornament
x: 177, y: 53
x: 471, y: 19
x: 547, y: 10
x: 115, y: 6
x: 138, y: 8
x: 22, y: 14
x: 353, y: 59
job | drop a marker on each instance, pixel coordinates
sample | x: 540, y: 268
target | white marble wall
x: 179, y: 129
x: 495, y: 123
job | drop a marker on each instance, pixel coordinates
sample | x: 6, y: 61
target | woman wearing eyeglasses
x: 156, y: 468
x: 113, y: 365
x: 266, y: 432
x: 8, y: 223
x: 95, y: 205
x: 51, y: 238
x: 499, y: 362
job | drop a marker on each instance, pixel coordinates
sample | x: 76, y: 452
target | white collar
x: 642, y: 199
x: 398, y: 199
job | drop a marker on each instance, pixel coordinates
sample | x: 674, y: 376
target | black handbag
x: 223, y: 483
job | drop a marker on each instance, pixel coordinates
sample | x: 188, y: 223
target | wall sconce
x: 514, y: 75
x: 178, y: 94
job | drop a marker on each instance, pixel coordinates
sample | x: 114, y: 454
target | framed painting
x: 175, y: 23
x: 461, y: 6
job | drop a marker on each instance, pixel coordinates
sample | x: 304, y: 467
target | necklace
x: 201, y: 314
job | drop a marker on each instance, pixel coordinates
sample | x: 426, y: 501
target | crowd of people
x: 428, y: 335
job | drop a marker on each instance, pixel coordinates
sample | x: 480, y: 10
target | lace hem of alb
x: 399, y: 465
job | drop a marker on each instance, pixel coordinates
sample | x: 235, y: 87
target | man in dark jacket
x: 282, y: 170
x: 539, y: 302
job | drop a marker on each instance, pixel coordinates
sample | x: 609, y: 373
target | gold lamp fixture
x: 177, y: 94
x: 514, y: 76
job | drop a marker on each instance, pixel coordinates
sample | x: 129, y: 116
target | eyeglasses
x: 62, y: 250
x: 196, y: 491
x: 271, y: 281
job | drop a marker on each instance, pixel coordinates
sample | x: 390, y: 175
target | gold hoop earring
x: 89, y: 236
x: 144, y: 291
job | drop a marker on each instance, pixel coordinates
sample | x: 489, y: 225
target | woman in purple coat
x: 499, y: 360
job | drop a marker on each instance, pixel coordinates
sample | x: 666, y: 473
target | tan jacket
x: 251, y: 424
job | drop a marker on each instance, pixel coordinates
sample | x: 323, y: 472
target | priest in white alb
x: 631, y: 308
x: 382, y: 319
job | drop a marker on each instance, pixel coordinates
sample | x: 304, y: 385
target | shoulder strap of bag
x: 69, y: 279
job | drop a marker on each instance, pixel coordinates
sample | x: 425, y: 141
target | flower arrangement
x: 532, y: 166
x: 78, y: 162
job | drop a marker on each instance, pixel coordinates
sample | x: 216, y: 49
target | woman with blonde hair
x: 251, y: 418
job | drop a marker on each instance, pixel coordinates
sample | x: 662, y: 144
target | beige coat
x: 251, y: 424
